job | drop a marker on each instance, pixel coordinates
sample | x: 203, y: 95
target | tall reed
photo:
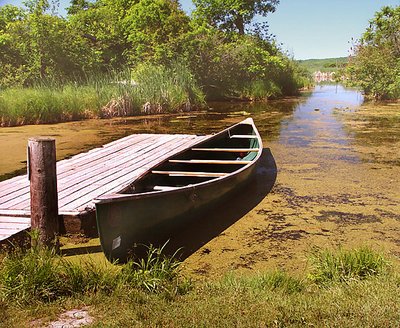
x: 147, y: 89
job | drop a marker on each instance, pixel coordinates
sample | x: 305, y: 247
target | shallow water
x: 337, y: 181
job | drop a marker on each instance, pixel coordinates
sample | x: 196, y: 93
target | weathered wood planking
x: 83, y: 177
x: 78, y: 161
x: 82, y: 181
x: 11, y: 225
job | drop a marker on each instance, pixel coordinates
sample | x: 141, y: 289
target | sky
x: 310, y: 28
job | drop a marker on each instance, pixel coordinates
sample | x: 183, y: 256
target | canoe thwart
x: 191, y: 174
x: 208, y: 161
x: 243, y: 136
x: 164, y: 188
x: 229, y: 150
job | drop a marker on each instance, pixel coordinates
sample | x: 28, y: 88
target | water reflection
x: 314, y: 121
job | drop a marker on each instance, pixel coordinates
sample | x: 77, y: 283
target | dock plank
x: 12, y: 189
x: 11, y: 225
x: 65, y: 181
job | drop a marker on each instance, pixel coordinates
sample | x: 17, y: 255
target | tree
x: 232, y: 15
x: 375, y: 66
x: 155, y: 29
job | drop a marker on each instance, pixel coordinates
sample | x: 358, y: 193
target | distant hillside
x: 323, y: 65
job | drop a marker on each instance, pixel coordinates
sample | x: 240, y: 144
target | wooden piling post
x: 43, y: 189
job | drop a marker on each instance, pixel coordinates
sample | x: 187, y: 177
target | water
x: 291, y: 121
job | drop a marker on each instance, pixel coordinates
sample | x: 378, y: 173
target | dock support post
x: 43, y: 190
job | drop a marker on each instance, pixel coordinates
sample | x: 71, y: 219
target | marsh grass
x: 153, y: 89
x: 167, y: 89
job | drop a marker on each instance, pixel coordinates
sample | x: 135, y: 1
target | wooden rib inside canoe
x: 244, y: 136
x: 233, y: 150
x: 207, y: 161
x: 191, y: 174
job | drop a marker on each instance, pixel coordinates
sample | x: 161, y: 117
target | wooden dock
x: 83, y: 177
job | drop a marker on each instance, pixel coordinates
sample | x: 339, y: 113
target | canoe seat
x: 208, y: 161
x: 231, y: 150
x: 244, y: 136
x: 191, y: 174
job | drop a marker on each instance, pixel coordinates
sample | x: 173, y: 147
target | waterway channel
x: 337, y: 176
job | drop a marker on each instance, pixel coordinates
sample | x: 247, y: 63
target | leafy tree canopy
x: 376, y: 64
x: 232, y: 15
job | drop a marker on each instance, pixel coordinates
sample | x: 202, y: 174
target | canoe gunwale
x: 119, y: 197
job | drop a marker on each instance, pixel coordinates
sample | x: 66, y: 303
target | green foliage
x: 154, y: 29
x: 376, y: 64
x: 346, y: 265
x: 240, y: 66
x: 232, y: 15
x: 175, y: 59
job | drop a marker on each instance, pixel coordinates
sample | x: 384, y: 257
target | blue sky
x: 311, y: 28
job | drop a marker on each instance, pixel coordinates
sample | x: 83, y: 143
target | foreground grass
x: 273, y: 299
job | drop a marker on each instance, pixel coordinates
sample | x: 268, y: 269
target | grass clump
x: 39, y: 274
x: 30, y: 276
x: 155, y: 272
x: 346, y: 265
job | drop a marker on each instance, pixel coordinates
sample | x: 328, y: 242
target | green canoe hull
x: 128, y: 222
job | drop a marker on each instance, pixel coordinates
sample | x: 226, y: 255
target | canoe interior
x: 217, y: 159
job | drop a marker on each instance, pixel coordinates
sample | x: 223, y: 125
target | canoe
x: 177, y: 190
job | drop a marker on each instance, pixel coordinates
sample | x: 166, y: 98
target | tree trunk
x: 239, y: 24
